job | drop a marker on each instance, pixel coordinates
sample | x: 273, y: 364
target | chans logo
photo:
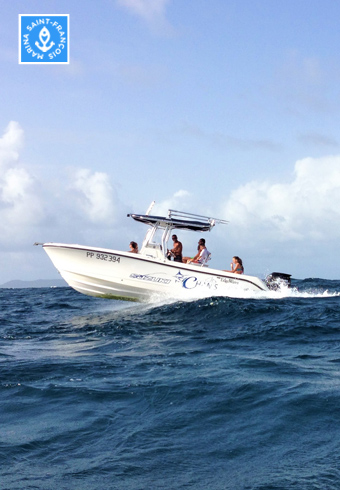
x: 44, y: 39
x: 191, y: 282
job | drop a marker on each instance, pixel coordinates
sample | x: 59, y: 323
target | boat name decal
x: 106, y: 257
x: 191, y: 282
x: 227, y: 280
x: 146, y: 277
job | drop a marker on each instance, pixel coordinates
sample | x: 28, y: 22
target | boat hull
x: 135, y: 277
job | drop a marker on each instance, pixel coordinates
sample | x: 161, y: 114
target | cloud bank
x: 307, y: 208
x: 28, y: 202
x: 32, y: 208
x: 20, y: 206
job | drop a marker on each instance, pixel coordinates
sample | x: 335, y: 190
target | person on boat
x: 176, y: 251
x: 236, y: 266
x: 201, y: 256
x: 133, y: 247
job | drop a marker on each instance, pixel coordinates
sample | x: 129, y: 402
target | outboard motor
x: 276, y: 279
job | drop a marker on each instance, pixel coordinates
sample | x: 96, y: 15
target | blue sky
x: 225, y: 108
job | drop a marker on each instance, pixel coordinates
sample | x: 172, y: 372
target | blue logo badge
x: 44, y: 39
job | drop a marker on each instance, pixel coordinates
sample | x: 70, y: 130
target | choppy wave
x: 220, y: 393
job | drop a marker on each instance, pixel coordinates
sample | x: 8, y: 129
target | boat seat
x: 203, y: 263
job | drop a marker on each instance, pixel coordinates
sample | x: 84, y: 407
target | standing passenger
x: 176, y: 251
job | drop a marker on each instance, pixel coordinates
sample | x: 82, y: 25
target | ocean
x: 213, y: 393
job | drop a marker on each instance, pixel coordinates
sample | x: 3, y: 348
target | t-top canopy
x: 183, y: 221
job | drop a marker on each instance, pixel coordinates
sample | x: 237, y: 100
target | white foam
x: 234, y: 293
x: 162, y: 299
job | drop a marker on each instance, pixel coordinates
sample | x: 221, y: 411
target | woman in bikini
x: 236, y: 266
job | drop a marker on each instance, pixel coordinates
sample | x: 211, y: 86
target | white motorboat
x: 139, y: 276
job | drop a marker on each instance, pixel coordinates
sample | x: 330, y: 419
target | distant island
x: 39, y: 283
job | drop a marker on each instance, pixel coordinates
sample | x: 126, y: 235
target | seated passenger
x: 176, y: 251
x: 133, y: 247
x: 201, y: 256
x: 236, y: 266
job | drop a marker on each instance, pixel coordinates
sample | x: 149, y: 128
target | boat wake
x: 296, y: 291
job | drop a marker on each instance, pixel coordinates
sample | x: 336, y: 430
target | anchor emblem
x: 44, y: 36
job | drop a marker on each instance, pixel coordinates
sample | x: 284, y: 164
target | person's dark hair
x: 201, y: 241
x: 174, y: 237
x: 238, y: 260
x: 133, y: 244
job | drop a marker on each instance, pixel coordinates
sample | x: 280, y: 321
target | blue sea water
x: 212, y: 393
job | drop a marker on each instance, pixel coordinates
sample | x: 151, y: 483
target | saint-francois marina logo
x: 44, y: 39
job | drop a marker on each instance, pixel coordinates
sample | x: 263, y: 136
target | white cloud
x: 15, y: 185
x: 181, y: 200
x: 33, y: 208
x: 20, y: 206
x: 307, y: 208
x: 95, y: 195
x: 151, y: 11
x: 10, y: 144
